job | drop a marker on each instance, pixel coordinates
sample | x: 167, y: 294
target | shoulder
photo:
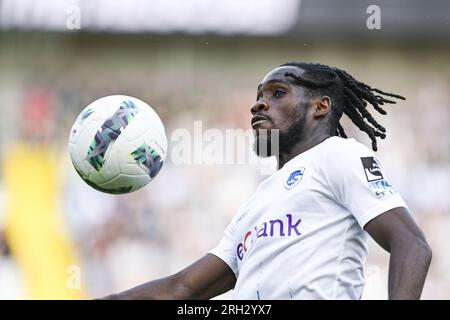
x: 344, y: 157
x: 340, y: 149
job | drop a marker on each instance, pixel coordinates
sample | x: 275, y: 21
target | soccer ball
x: 118, y: 144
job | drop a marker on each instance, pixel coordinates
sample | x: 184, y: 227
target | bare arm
x: 204, y: 279
x: 397, y: 233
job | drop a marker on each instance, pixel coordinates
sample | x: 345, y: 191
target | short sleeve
x: 358, y: 181
x: 226, y: 249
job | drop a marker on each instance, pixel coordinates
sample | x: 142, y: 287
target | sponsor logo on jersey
x: 269, y: 229
x: 294, y: 178
x: 379, y: 185
x: 371, y: 169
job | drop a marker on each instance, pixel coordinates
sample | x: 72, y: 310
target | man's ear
x: 322, y: 106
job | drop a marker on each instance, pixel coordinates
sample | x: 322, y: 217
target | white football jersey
x: 300, y: 235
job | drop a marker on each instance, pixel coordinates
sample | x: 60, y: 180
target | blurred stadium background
x: 195, y: 60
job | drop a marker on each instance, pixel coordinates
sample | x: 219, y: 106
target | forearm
x: 161, y: 289
x: 408, y: 267
x: 204, y: 279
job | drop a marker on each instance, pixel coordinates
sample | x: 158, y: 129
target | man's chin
x: 264, y: 148
x: 262, y: 153
x: 263, y: 131
x: 266, y: 142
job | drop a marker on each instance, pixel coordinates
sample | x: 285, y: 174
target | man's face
x: 280, y: 104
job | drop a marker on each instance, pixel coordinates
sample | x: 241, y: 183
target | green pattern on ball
x: 109, y: 132
x: 148, y: 157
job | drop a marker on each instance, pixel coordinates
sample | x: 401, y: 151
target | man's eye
x: 278, y: 93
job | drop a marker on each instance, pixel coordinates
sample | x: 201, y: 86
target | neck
x: 300, y: 147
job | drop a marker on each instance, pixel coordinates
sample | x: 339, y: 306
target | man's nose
x: 260, y: 105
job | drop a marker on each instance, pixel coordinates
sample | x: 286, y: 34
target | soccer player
x: 303, y: 233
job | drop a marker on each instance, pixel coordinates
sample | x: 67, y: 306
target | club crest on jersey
x: 294, y: 178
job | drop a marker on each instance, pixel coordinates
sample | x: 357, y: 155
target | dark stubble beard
x: 275, y: 142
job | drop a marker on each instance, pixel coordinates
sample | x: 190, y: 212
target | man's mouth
x: 258, y: 120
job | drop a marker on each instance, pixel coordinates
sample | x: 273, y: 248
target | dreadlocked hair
x: 349, y: 96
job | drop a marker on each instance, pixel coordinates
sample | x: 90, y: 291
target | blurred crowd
x: 51, y: 220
